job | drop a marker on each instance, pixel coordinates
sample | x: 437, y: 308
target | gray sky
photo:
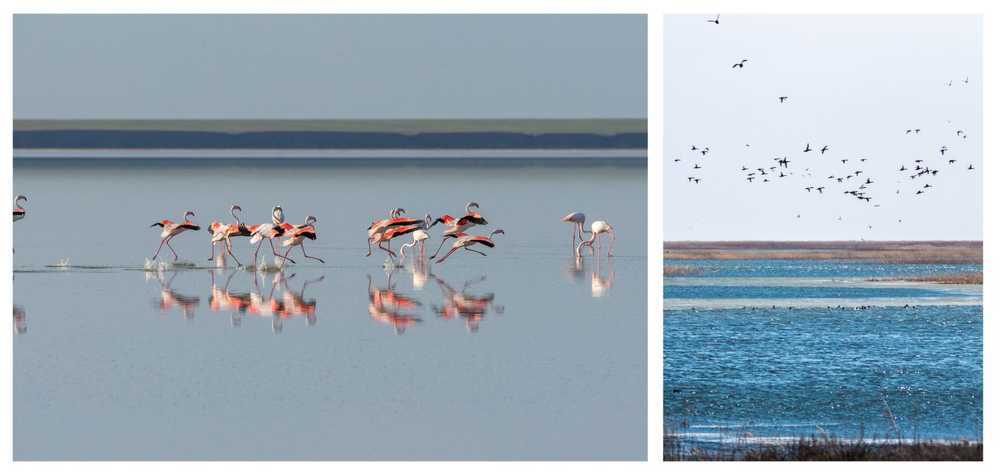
x: 855, y: 83
x: 325, y: 66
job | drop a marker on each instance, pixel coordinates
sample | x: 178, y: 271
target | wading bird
x: 299, y: 234
x: 378, y: 228
x: 596, y: 229
x: 578, y: 219
x: 276, y: 229
x: 388, y: 234
x: 465, y: 241
x: 19, y: 211
x: 222, y: 232
x: 419, y: 236
x: 172, y: 229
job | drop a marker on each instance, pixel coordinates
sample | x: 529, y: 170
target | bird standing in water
x: 577, y: 220
x: 596, y: 229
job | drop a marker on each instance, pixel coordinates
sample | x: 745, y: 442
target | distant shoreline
x: 624, y: 155
x: 527, y: 134
x: 889, y: 252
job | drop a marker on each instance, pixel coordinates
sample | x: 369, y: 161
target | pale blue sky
x: 329, y: 66
x: 855, y: 83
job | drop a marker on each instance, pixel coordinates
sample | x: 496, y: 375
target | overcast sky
x: 329, y: 66
x: 854, y: 83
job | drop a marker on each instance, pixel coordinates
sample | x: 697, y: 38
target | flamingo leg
x: 423, y: 252
x: 448, y: 254
x: 275, y: 252
x: 213, y: 251
x: 256, y: 252
x: 229, y: 249
x: 392, y: 254
x: 612, y: 242
x: 159, y: 248
x: 440, y: 246
x: 477, y: 252
x: 167, y: 242
x: 303, y: 247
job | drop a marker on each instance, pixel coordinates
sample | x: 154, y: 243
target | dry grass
x: 680, y: 270
x: 832, y: 449
x: 889, y: 252
x: 964, y: 278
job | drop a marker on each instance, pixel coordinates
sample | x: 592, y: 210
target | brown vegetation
x: 680, y: 270
x: 890, y: 252
x: 831, y: 449
x: 964, y: 278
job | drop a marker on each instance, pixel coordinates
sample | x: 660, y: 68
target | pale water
x: 769, y: 351
x: 523, y: 354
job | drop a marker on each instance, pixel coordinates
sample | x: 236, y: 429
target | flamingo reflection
x: 471, y: 308
x: 295, y: 304
x: 223, y: 299
x: 20, y: 320
x: 600, y: 285
x: 170, y: 299
x: 385, y: 305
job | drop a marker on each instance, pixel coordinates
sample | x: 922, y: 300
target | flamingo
x: 419, y: 236
x: 465, y: 241
x: 596, y: 229
x: 277, y: 228
x: 222, y: 232
x: 455, y: 226
x: 298, y: 236
x: 577, y: 220
x: 172, y: 229
x: 394, y: 232
x: 19, y: 211
x: 377, y: 228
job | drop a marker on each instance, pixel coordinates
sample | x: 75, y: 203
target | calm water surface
x: 524, y: 354
x: 892, y: 362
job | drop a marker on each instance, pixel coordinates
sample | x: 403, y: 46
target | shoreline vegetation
x: 813, y: 449
x: 888, y: 252
x: 597, y: 134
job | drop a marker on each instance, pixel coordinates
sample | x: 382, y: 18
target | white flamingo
x: 419, y: 236
x: 596, y: 229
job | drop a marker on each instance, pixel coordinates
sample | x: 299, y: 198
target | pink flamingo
x: 298, y: 236
x: 277, y: 228
x: 222, y: 232
x: 577, y: 220
x: 172, y: 229
x: 465, y: 241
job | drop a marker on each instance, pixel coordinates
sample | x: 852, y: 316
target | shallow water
x: 764, y: 363
x: 523, y: 354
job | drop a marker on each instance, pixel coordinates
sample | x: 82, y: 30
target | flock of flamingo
x: 380, y: 233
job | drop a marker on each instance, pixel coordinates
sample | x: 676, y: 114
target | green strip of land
x: 398, y: 126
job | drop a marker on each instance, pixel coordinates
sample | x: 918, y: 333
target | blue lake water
x: 526, y: 353
x: 743, y: 375
x: 764, y: 292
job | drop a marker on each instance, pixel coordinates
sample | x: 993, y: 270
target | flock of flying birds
x: 850, y: 177
x: 380, y: 233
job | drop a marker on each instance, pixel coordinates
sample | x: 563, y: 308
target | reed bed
x: 816, y: 449
x: 888, y: 252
